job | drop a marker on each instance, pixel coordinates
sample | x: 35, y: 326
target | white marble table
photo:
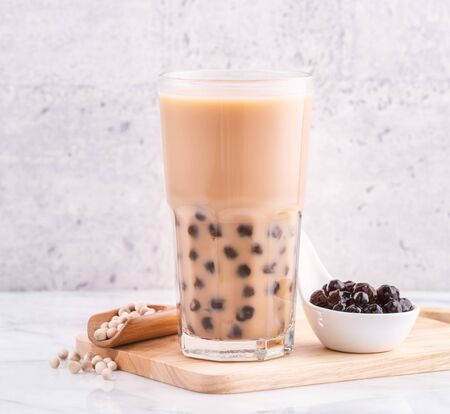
x: 34, y: 325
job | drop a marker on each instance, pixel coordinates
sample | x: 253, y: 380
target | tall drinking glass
x: 235, y: 151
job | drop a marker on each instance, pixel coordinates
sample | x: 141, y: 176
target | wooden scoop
x: 161, y: 323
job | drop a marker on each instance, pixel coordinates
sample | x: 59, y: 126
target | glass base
x: 237, y: 350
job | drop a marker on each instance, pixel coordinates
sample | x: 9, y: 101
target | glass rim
x: 235, y: 82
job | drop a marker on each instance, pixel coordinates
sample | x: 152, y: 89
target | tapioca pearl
x: 215, y: 230
x: 245, y: 230
x: 235, y: 332
x: 276, y: 232
x: 245, y: 313
x: 248, y: 291
x: 193, y: 255
x: 183, y: 286
x: 199, y: 284
x: 243, y: 270
x: 207, y: 323
x: 282, y: 250
x: 286, y: 270
x: 275, y: 287
x: 217, y: 303
x: 256, y: 249
x: 269, y: 268
x: 200, y: 216
x: 230, y: 252
x: 193, y: 231
x: 210, y: 266
x: 194, y: 305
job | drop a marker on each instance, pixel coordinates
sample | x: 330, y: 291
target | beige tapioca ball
x: 63, y: 353
x: 143, y: 310
x: 123, y: 310
x: 99, y: 367
x: 104, y: 325
x: 88, y: 356
x: 107, y: 374
x: 112, y: 365
x: 123, y: 318
x: 120, y: 326
x: 133, y: 315
x: 130, y: 306
x: 74, y: 356
x: 106, y: 360
x: 139, y: 305
x: 74, y: 367
x: 96, y: 359
x: 150, y: 311
x: 114, y: 323
x: 115, y: 318
x: 54, y: 362
x: 111, y: 332
x: 86, y: 366
x: 100, y: 334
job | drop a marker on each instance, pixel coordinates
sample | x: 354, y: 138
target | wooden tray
x: 426, y: 349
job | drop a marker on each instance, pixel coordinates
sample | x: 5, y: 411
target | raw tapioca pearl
x: 207, y: 323
x: 245, y: 230
x: 217, y: 303
x: 193, y: 255
x: 230, y: 252
x: 256, y: 249
x: 283, y: 250
x: 275, y: 288
x: 276, y: 232
x: 245, y: 313
x: 215, y: 230
x: 195, y: 305
x: 269, y: 268
x: 199, y: 284
x: 193, y: 231
x: 286, y: 270
x: 210, y: 266
x: 248, y: 291
x: 243, y: 270
x: 200, y: 216
x: 235, y: 332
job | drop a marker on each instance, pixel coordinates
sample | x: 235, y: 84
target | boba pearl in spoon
x: 345, y: 331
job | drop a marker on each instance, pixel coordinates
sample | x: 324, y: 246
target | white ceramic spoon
x: 344, y: 331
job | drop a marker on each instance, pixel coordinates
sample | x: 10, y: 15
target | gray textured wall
x: 81, y: 186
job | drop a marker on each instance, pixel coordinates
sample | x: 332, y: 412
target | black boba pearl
x: 286, y: 270
x: 243, y: 270
x: 366, y: 288
x: 325, y: 288
x: 373, y: 308
x: 230, y: 252
x: 235, y: 332
x: 406, y: 305
x: 248, y: 291
x: 245, y: 313
x: 200, y: 216
x: 245, y: 230
x: 339, y: 307
x: 210, y: 266
x: 207, y: 323
x: 318, y: 298
x: 360, y: 298
x: 256, y: 249
x: 195, y: 305
x: 276, y: 232
x: 334, y: 298
x: 269, y: 268
x: 193, y: 255
x: 335, y: 284
x: 393, y: 306
x: 349, y: 286
x: 217, y: 303
x: 387, y: 293
x: 352, y: 309
x: 199, y: 284
x: 275, y: 287
x: 215, y: 230
x: 193, y: 231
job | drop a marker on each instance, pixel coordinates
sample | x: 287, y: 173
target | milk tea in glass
x: 235, y: 151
